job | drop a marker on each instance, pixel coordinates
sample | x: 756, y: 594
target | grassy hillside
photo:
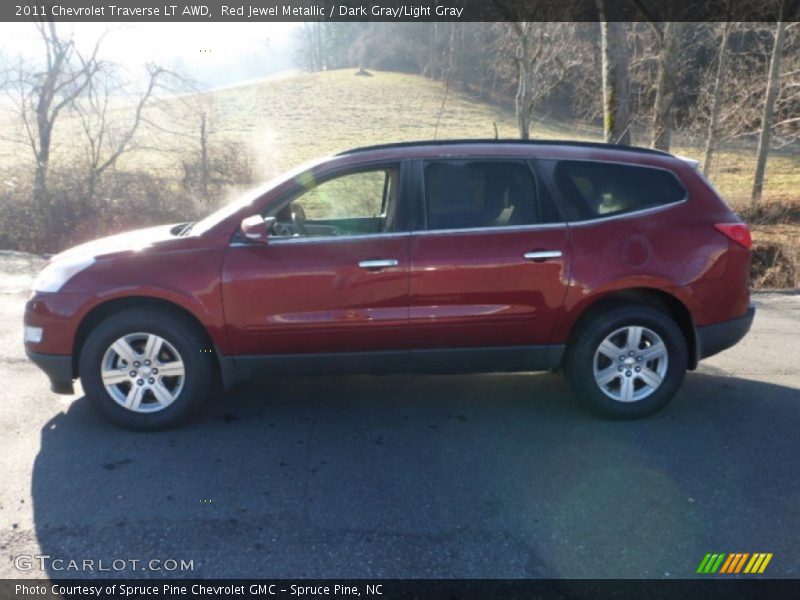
x: 298, y: 118
x: 292, y: 120
x: 286, y: 121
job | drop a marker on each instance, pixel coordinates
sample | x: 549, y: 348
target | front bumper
x: 712, y: 339
x: 57, y: 367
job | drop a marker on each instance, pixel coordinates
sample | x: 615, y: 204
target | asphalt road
x: 402, y: 476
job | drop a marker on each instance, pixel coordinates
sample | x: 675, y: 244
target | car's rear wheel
x: 146, y: 369
x: 627, y: 362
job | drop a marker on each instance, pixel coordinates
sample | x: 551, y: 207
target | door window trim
x: 315, y: 239
x: 628, y: 215
x: 494, y: 229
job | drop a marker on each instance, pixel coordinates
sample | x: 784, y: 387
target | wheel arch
x: 643, y: 296
x: 114, y: 306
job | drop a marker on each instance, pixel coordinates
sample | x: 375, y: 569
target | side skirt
x: 508, y: 359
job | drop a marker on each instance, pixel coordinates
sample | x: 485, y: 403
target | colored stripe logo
x: 737, y: 562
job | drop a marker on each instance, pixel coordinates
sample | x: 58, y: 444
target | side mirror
x: 256, y: 229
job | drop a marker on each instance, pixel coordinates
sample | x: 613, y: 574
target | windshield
x: 248, y: 198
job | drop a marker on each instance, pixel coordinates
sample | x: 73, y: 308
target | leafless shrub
x: 772, y: 213
x: 122, y: 200
x: 772, y: 266
x: 215, y: 167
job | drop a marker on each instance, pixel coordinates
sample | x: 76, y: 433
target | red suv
x: 621, y: 266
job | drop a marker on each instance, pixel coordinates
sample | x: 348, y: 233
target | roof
x: 510, y: 142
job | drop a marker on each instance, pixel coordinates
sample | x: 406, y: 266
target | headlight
x: 56, y: 274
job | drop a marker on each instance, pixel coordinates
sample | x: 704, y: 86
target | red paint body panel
x: 476, y: 288
x: 675, y: 249
x: 289, y: 298
x: 186, y: 277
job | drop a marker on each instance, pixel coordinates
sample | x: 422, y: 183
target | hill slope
x: 288, y: 121
x: 284, y: 121
x: 295, y: 119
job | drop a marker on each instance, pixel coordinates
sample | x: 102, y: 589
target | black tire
x: 579, y: 361
x: 181, y: 334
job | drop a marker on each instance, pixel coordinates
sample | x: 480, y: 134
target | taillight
x: 738, y: 232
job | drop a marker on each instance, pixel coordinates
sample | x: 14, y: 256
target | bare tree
x: 773, y: 82
x: 668, y: 34
x: 310, y: 46
x: 447, y: 75
x: 107, y: 135
x: 210, y: 162
x: 712, y: 134
x: 215, y: 162
x: 189, y: 126
x: 542, y: 60
x: 741, y: 108
x: 205, y: 164
x: 616, y: 80
x: 666, y: 88
x: 41, y: 93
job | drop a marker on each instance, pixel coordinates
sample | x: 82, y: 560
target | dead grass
x: 772, y: 213
x: 775, y: 227
x: 776, y: 256
x: 732, y: 175
x: 291, y: 120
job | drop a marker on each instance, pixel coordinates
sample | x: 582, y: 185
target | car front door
x: 333, y: 276
x: 489, y: 263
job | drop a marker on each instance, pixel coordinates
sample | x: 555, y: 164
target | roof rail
x: 504, y: 141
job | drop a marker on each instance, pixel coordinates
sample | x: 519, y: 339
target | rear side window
x: 597, y: 189
x: 462, y: 194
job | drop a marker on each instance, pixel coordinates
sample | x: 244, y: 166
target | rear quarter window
x: 594, y: 190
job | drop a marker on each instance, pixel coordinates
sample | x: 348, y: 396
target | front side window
x: 465, y: 194
x: 362, y: 202
x: 596, y: 189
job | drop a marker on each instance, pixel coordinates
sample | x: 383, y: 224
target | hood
x: 130, y: 241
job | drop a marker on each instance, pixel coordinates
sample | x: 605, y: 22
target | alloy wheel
x: 143, y: 372
x: 630, y: 364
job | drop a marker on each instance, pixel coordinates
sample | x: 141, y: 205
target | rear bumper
x: 57, y: 367
x: 712, y: 339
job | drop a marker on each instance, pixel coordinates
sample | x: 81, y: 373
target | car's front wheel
x: 627, y: 362
x: 146, y: 369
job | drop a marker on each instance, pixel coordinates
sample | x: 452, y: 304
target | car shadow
x: 441, y: 476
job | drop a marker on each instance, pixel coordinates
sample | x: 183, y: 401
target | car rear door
x: 490, y: 260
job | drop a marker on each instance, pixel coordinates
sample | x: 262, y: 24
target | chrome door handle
x: 378, y: 264
x: 542, y: 254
